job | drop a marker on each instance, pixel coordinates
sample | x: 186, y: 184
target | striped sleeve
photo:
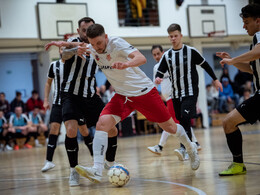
x: 51, y: 72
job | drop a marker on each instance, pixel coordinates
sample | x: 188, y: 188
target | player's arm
x: 68, y: 45
x: 162, y: 69
x: 47, y: 90
x: 137, y: 59
x: 241, y: 62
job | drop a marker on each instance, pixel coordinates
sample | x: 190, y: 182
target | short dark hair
x: 174, y: 27
x: 18, y: 93
x: 157, y: 46
x: 250, y: 10
x: 95, y: 30
x: 2, y: 93
x: 86, y: 19
x: 35, y: 92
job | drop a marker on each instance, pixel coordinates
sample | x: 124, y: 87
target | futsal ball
x: 118, y: 175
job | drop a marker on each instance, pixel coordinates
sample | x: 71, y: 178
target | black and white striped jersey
x: 79, y: 75
x: 181, y: 65
x: 255, y: 65
x: 56, y: 72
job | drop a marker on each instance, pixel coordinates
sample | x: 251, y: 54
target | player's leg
x: 111, y: 148
x: 88, y: 140
x: 55, y: 123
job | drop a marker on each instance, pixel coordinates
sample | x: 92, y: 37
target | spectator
x: 37, y: 127
x: 35, y: 101
x: 103, y: 93
x: 18, y: 127
x: 17, y: 101
x: 4, y: 105
x: 110, y: 93
x: 227, y: 96
x: 225, y: 74
x: 3, y: 131
x: 240, y: 79
x: 247, y: 94
x: 212, y: 98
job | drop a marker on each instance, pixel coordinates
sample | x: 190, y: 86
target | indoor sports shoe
x: 48, y: 165
x: 28, y: 146
x: 234, y: 169
x: 89, y: 172
x: 8, y: 148
x: 194, y: 157
x: 74, y: 177
x: 155, y: 149
x: 108, y: 164
x: 16, y: 147
x: 180, y: 153
x: 198, y: 146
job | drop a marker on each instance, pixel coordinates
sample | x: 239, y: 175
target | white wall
x: 19, y: 17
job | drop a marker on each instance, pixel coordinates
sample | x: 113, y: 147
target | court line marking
x: 200, y: 192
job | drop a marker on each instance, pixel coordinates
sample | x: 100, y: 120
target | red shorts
x: 171, y: 110
x: 150, y: 105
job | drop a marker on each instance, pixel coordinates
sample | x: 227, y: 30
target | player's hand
x: 218, y: 85
x: 120, y: 65
x: 46, y: 105
x: 223, y: 55
x: 158, y: 80
x: 54, y: 43
x: 83, y: 49
x: 226, y: 61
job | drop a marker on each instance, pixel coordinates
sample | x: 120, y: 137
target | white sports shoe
x: 155, y: 149
x: 181, y: 153
x: 48, y: 165
x: 89, y: 172
x: 198, y: 146
x: 8, y: 148
x: 108, y: 164
x: 74, y: 177
x: 194, y: 157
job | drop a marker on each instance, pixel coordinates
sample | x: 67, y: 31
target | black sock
x: 160, y: 147
x: 51, y: 146
x: 72, y: 148
x: 28, y: 137
x: 88, y: 140
x: 111, y: 149
x: 234, y: 141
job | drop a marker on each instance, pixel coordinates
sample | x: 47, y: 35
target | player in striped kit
x: 248, y: 111
x: 157, y: 52
x: 180, y: 62
x: 134, y: 90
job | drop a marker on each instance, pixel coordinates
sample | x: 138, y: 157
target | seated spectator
x: 37, y: 126
x: 247, y: 94
x: 4, y: 105
x: 18, y: 127
x: 239, y: 81
x: 110, y: 93
x: 227, y: 96
x: 103, y: 94
x: 34, y: 101
x: 248, y: 86
x: 17, y: 101
x: 212, y: 98
x: 3, y: 131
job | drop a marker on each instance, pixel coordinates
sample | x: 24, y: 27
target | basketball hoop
x: 219, y: 33
x: 69, y: 35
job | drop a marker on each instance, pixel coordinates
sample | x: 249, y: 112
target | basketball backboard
x: 57, y: 19
x: 205, y: 19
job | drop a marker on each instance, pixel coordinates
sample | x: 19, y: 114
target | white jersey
x: 129, y: 82
x: 166, y: 84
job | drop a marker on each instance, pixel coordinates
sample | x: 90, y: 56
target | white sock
x: 99, y: 149
x: 182, y: 136
x: 164, y: 138
x: 194, y: 139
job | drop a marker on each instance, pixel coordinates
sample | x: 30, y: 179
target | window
x: 138, y: 12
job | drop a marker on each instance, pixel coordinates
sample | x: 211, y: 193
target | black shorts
x: 56, y: 114
x: 185, y: 107
x: 250, y: 109
x: 85, y: 111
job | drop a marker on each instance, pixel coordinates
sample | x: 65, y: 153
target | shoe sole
x: 74, y: 185
x: 47, y: 169
x: 154, y: 151
x: 243, y: 173
x: 84, y: 173
x: 180, y: 156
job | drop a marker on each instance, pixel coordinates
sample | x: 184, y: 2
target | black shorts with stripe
x: 84, y: 110
x: 250, y: 109
x: 56, y: 114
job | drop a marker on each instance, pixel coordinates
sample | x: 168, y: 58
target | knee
x: 228, y: 125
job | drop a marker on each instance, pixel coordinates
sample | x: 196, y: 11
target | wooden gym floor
x: 20, y: 171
